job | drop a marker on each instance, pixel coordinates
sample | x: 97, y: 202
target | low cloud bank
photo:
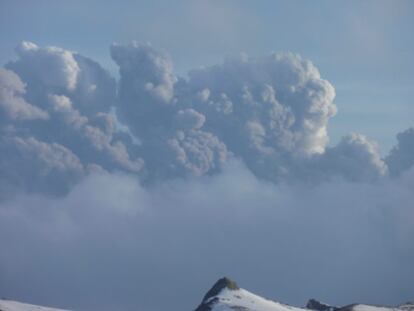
x: 114, y: 244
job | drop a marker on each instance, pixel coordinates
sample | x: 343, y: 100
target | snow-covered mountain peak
x: 226, y: 295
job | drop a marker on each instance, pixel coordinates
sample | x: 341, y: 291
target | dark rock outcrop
x: 209, y: 300
x: 314, y: 304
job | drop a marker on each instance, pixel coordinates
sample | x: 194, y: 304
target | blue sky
x: 364, y: 48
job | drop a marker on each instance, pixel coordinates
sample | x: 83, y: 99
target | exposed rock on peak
x: 219, y: 286
x: 209, y: 299
x: 314, y: 304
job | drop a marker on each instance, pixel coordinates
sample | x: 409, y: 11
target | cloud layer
x: 114, y: 244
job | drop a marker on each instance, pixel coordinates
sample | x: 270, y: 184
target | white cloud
x: 53, y: 66
x: 355, y: 158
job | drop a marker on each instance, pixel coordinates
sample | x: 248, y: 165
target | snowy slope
x: 225, y: 295
x: 10, y: 305
x: 362, y: 307
x: 243, y: 300
x: 409, y: 306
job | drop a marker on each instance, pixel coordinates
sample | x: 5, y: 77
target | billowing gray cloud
x: 401, y: 157
x: 262, y: 110
x: 53, y: 70
x: 29, y: 165
x: 270, y: 112
x: 280, y: 97
x: 12, y: 103
x: 146, y: 74
x: 198, y: 152
x: 91, y: 138
x: 62, y: 101
x: 355, y: 158
x: 51, y: 66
